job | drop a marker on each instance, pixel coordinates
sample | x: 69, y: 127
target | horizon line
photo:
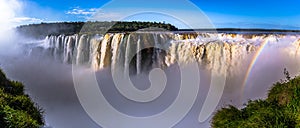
x: 246, y: 29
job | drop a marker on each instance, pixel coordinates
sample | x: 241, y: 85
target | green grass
x: 280, y: 110
x: 16, y: 108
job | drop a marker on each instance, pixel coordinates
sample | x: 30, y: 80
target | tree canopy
x: 96, y: 27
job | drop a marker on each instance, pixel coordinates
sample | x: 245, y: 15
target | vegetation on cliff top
x: 16, y: 108
x: 67, y: 28
x: 281, y: 109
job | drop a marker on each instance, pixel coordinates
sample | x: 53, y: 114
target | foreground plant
x: 281, y: 109
x: 16, y: 108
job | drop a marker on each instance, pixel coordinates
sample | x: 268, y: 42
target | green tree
x: 16, y: 108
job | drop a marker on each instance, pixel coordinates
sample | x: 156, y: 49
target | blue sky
x: 223, y: 14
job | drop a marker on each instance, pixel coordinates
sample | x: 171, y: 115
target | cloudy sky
x: 222, y: 14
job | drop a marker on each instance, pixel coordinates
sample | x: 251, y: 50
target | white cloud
x: 26, y: 20
x: 8, y: 11
x: 10, y: 14
x: 106, y: 16
x: 79, y: 11
x: 93, y: 14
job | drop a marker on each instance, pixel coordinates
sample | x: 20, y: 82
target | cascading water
x: 218, y: 53
x: 83, y: 50
x: 138, y: 57
x: 222, y: 52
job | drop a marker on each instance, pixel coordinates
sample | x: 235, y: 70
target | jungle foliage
x: 95, y: 27
x: 17, y: 110
x: 281, y: 109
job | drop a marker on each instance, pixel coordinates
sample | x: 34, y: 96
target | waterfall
x: 105, y: 51
x: 297, y: 45
x: 116, y: 41
x: 69, y: 49
x: 83, y: 50
x: 94, y: 48
x: 127, y: 55
x: 155, y: 56
x: 138, y: 57
x: 220, y: 52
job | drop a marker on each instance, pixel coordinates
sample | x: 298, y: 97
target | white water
x: 226, y: 50
x: 50, y: 83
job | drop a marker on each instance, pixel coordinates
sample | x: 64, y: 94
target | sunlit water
x: 49, y: 82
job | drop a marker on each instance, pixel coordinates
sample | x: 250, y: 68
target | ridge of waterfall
x: 141, y: 51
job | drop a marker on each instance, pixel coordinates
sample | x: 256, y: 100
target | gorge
x: 251, y: 62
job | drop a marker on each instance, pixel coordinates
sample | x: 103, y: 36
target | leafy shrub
x: 18, y: 118
x: 16, y: 108
x: 281, y: 109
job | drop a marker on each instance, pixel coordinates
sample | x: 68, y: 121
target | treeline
x: 16, y: 108
x: 68, y: 28
x: 280, y: 110
x: 44, y: 29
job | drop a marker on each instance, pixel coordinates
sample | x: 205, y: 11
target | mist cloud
x: 8, y: 11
